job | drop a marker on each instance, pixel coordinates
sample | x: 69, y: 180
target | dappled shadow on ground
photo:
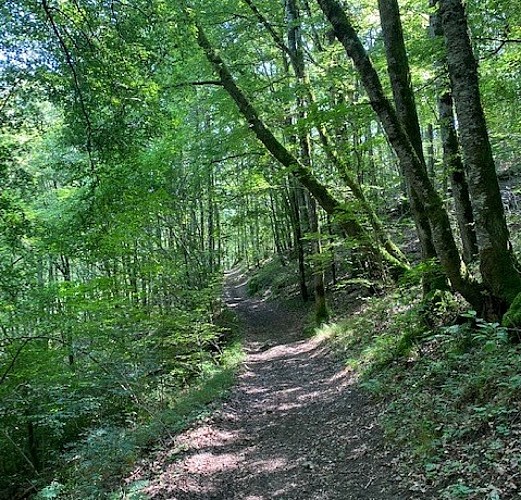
x: 295, y: 427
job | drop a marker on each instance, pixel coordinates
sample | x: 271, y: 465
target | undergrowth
x: 451, y: 396
x: 93, y: 468
x: 273, y: 278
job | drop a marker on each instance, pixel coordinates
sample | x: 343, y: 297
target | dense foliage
x: 147, y: 145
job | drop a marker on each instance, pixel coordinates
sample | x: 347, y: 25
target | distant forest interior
x: 360, y: 157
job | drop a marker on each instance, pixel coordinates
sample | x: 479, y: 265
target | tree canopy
x: 147, y: 145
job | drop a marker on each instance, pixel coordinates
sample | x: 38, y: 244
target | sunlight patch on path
x: 294, y: 428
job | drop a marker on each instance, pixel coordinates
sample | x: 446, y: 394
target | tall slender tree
x: 296, y: 54
x: 412, y: 166
x: 498, y: 265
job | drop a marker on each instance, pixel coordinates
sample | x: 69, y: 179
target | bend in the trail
x: 294, y: 427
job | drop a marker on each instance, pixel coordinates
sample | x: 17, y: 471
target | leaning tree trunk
x: 323, y: 196
x: 400, y: 76
x: 381, y: 235
x: 412, y: 166
x: 497, y: 262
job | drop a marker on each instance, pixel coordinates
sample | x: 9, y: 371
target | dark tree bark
x: 497, y: 262
x: 297, y: 231
x: 321, y: 312
x: 400, y: 76
x: 454, y: 167
x: 399, y: 72
x: 32, y: 445
x: 381, y: 235
x: 277, y: 240
x: 458, y: 180
x: 411, y: 164
x: 431, y: 160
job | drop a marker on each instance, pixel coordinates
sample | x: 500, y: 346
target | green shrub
x: 451, y: 394
x: 92, y: 467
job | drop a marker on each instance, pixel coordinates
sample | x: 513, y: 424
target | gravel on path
x: 295, y: 427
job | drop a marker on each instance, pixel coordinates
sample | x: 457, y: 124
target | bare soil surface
x: 294, y: 427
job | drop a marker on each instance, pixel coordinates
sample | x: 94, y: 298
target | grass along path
x: 294, y: 427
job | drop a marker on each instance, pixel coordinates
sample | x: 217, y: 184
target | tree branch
x: 195, y: 84
x: 13, y: 361
x: 279, y: 41
x: 319, y: 191
x: 70, y: 64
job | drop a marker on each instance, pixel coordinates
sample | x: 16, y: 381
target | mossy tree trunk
x: 497, y: 263
x: 380, y: 233
x: 452, y: 158
x: 412, y: 166
x: 458, y: 180
x: 325, y: 199
x: 321, y: 311
x: 400, y: 77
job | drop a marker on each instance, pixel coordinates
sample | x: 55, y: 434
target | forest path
x: 294, y: 427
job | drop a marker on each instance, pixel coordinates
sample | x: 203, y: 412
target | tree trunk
x: 399, y: 74
x: 326, y: 200
x: 454, y: 166
x: 297, y: 56
x: 332, y: 246
x: 412, y: 167
x: 321, y: 312
x: 431, y: 159
x: 497, y: 262
x: 32, y: 445
x: 381, y: 235
x: 275, y: 229
x: 299, y: 247
x: 210, y: 220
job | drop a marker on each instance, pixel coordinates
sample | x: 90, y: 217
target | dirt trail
x: 294, y: 427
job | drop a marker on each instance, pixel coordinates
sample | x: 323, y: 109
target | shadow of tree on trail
x: 295, y: 427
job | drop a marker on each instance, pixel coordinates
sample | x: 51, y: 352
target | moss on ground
x: 512, y: 318
x: 274, y: 279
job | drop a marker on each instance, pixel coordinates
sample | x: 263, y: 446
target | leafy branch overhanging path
x: 294, y: 427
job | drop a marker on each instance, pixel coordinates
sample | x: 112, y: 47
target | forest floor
x: 295, y: 426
